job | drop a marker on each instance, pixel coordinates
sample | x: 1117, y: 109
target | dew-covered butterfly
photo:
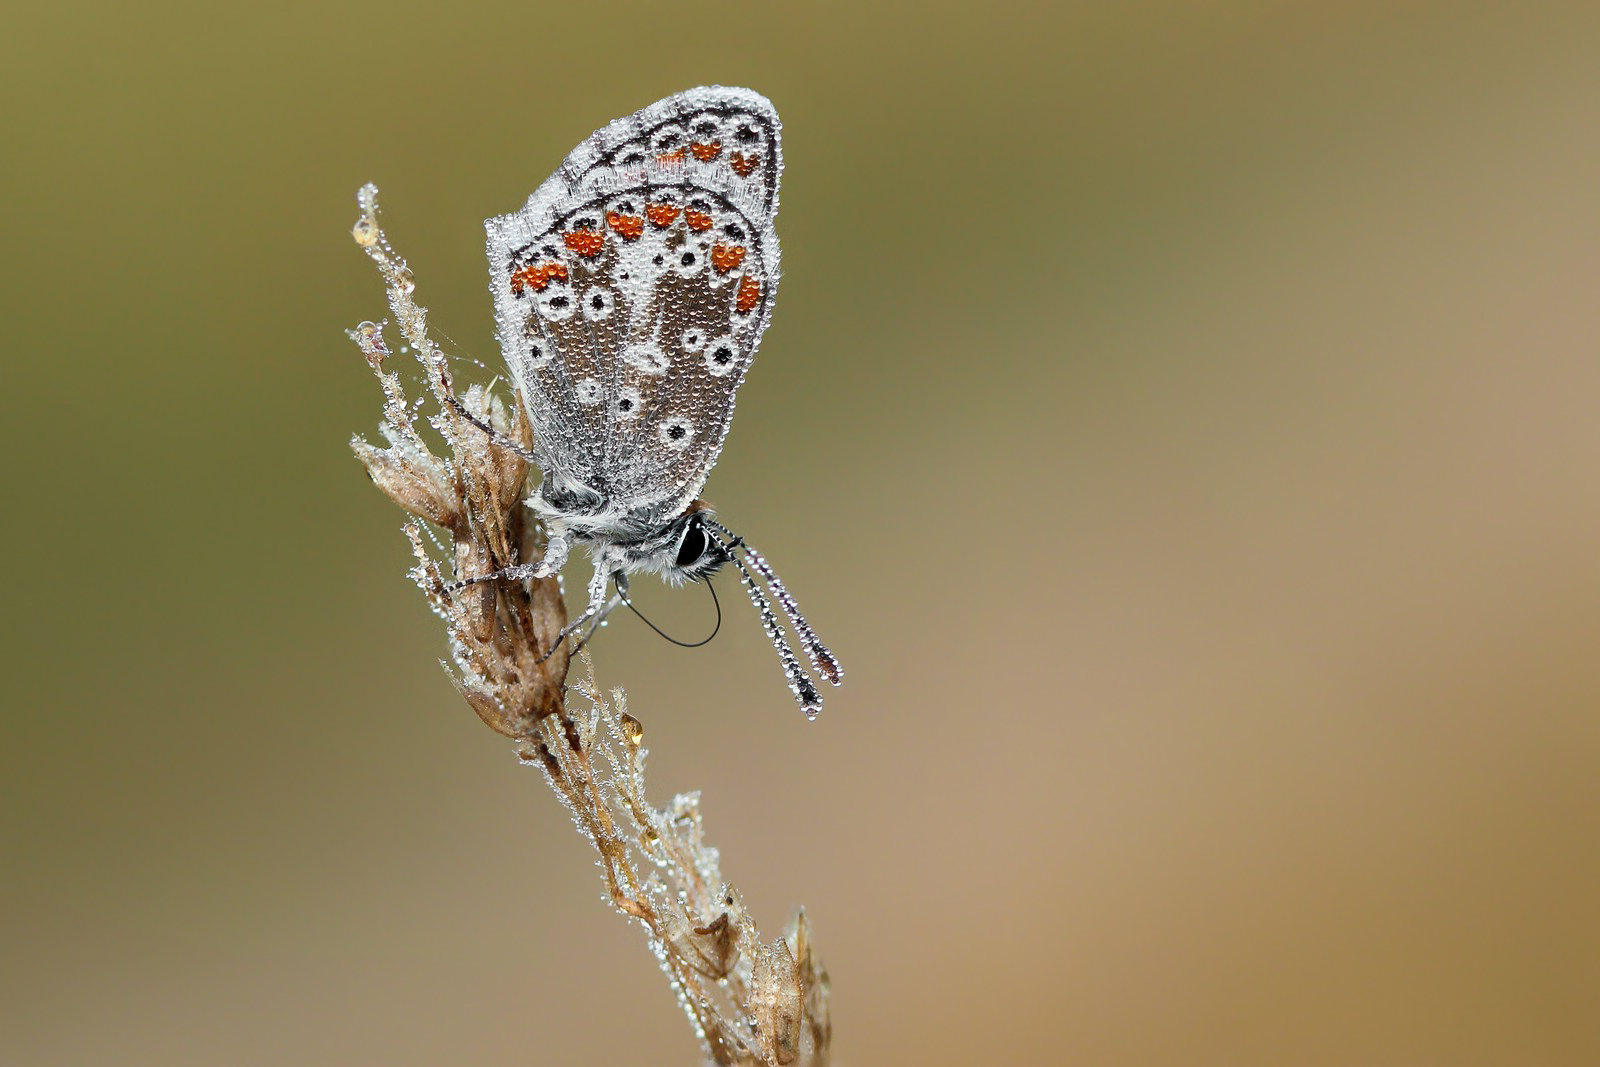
x: 630, y: 294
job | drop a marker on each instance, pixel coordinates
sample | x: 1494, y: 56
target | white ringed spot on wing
x: 556, y: 304
x: 722, y: 356
x: 539, y: 351
x: 598, y: 304
x: 676, y: 433
x: 628, y: 404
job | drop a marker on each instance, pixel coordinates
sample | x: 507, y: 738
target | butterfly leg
x: 598, y: 607
x: 616, y: 601
x: 556, y: 551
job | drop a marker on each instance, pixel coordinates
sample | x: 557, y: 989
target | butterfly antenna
x: 800, y: 684
x: 681, y: 644
x: 822, y: 661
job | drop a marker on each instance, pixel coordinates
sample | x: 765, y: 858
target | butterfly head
x: 680, y: 551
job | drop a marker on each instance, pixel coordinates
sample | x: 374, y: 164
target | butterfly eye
x: 694, y: 339
x: 589, y: 392
x: 693, y: 544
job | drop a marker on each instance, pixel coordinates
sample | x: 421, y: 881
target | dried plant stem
x: 750, y: 1001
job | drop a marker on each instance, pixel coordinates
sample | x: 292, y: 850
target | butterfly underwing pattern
x: 631, y: 293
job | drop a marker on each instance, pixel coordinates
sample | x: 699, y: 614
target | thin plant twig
x: 750, y: 1001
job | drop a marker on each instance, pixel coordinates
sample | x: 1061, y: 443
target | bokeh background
x: 1181, y: 419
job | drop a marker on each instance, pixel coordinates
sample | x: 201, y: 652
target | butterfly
x: 631, y: 292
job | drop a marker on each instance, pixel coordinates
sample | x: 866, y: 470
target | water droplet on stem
x: 365, y: 232
x: 632, y: 730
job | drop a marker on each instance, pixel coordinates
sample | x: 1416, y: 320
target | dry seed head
x: 750, y: 1003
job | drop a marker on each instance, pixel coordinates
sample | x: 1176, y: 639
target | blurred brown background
x: 1181, y: 419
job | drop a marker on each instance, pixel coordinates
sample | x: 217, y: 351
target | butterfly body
x: 631, y: 293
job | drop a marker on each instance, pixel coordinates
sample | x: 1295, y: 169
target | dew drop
x: 365, y: 232
x: 632, y: 729
x: 404, y: 281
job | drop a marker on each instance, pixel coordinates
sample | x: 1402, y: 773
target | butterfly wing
x: 632, y: 290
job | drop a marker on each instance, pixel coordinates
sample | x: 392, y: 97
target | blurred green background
x: 1181, y: 419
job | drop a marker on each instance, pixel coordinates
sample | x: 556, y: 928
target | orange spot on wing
x: 662, y: 215
x: 587, y: 243
x: 629, y: 226
x: 744, y: 165
x: 749, y: 295
x: 698, y: 221
x: 537, y: 278
x: 705, y: 153
x: 676, y: 156
x: 726, y: 257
